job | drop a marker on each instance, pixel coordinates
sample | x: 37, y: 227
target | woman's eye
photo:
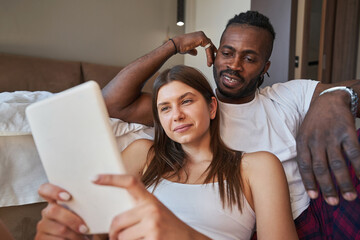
x: 163, y: 109
x: 186, y: 101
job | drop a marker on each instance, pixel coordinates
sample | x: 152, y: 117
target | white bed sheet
x: 21, y: 172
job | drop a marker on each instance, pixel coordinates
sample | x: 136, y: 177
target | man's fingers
x: 192, y: 52
x: 341, y: 172
x: 323, y: 176
x: 52, y: 193
x: 305, y: 168
x: 210, y: 54
x: 352, y: 151
x: 131, y: 183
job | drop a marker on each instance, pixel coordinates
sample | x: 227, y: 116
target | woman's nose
x: 178, y: 114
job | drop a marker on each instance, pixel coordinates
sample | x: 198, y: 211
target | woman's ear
x: 213, y: 107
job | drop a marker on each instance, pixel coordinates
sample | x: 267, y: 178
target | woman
x: 214, y: 190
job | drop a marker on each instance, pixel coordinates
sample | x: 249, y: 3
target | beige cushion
x: 37, y: 74
x: 102, y: 74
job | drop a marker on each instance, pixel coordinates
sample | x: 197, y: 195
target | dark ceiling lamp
x: 180, y: 13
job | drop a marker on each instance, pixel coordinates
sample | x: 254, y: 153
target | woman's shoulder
x: 259, y: 158
x: 258, y: 163
x: 140, y: 143
x: 136, y: 155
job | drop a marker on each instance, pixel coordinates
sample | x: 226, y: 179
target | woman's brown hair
x: 169, y: 157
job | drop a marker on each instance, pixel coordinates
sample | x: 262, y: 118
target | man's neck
x: 240, y: 100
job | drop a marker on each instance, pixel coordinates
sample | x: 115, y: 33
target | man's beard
x: 243, y: 92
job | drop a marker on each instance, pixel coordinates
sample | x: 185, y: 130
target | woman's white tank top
x: 200, y: 207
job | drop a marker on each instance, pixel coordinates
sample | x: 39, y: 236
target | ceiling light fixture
x: 180, y: 13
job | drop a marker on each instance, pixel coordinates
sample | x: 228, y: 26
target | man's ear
x: 267, y: 66
x: 213, y: 107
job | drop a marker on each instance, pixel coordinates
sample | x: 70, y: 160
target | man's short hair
x: 253, y: 18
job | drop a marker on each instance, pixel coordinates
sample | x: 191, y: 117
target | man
x: 269, y: 119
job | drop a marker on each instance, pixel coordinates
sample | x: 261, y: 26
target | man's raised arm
x: 328, y: 132
x: 123, y: 96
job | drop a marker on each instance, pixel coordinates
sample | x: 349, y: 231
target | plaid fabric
x: 322, y: 221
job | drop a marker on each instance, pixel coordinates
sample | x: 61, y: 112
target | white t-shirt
x: 270, y: 122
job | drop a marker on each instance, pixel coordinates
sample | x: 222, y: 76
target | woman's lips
x: 182, y: 128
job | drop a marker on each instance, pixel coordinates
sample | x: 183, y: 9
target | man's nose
x: 236, y: 64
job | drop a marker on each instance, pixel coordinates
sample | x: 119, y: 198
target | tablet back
x: 75, y: 142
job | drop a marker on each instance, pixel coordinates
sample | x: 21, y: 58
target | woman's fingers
x: 131, y: 183
x: 65, y: 218
x: 50, y: 229
x: 52, y: 193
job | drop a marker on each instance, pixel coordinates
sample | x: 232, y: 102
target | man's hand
x: 327, y: 132
x: 58, y: 222
x: 149, y: 219
x: 188, y: 42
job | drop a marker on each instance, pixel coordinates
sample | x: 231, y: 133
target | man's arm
x: 123, y: 96
x: 326, y: 134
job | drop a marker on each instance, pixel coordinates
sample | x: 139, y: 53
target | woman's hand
x: 149, y: 219
x: 57, y: 221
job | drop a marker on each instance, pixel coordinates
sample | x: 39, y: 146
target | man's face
x: 240, y: 62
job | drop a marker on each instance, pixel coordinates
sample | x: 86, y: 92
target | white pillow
x: 12, y: 111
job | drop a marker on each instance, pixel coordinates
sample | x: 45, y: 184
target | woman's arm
x: 264, y: 174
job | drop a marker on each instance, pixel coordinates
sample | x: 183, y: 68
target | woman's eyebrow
x: 179, y: 98
x: 186, y: 94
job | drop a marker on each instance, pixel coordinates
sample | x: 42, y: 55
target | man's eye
x: 226, y: 54
x: 249, y: 59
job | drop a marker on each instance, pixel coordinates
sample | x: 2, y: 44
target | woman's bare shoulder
x: 259, y: 162
x: 136, y: 155
x: 140, y: 143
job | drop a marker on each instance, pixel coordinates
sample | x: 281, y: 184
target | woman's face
x: 184, y: 114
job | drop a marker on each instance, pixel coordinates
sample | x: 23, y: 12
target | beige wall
x: 211, y: 17
x: 109, y: 32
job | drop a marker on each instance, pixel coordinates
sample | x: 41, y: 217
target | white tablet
x: 75, y: 142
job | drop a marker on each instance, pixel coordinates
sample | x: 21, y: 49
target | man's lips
x: 230, y: 79
x: 182, y: 128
